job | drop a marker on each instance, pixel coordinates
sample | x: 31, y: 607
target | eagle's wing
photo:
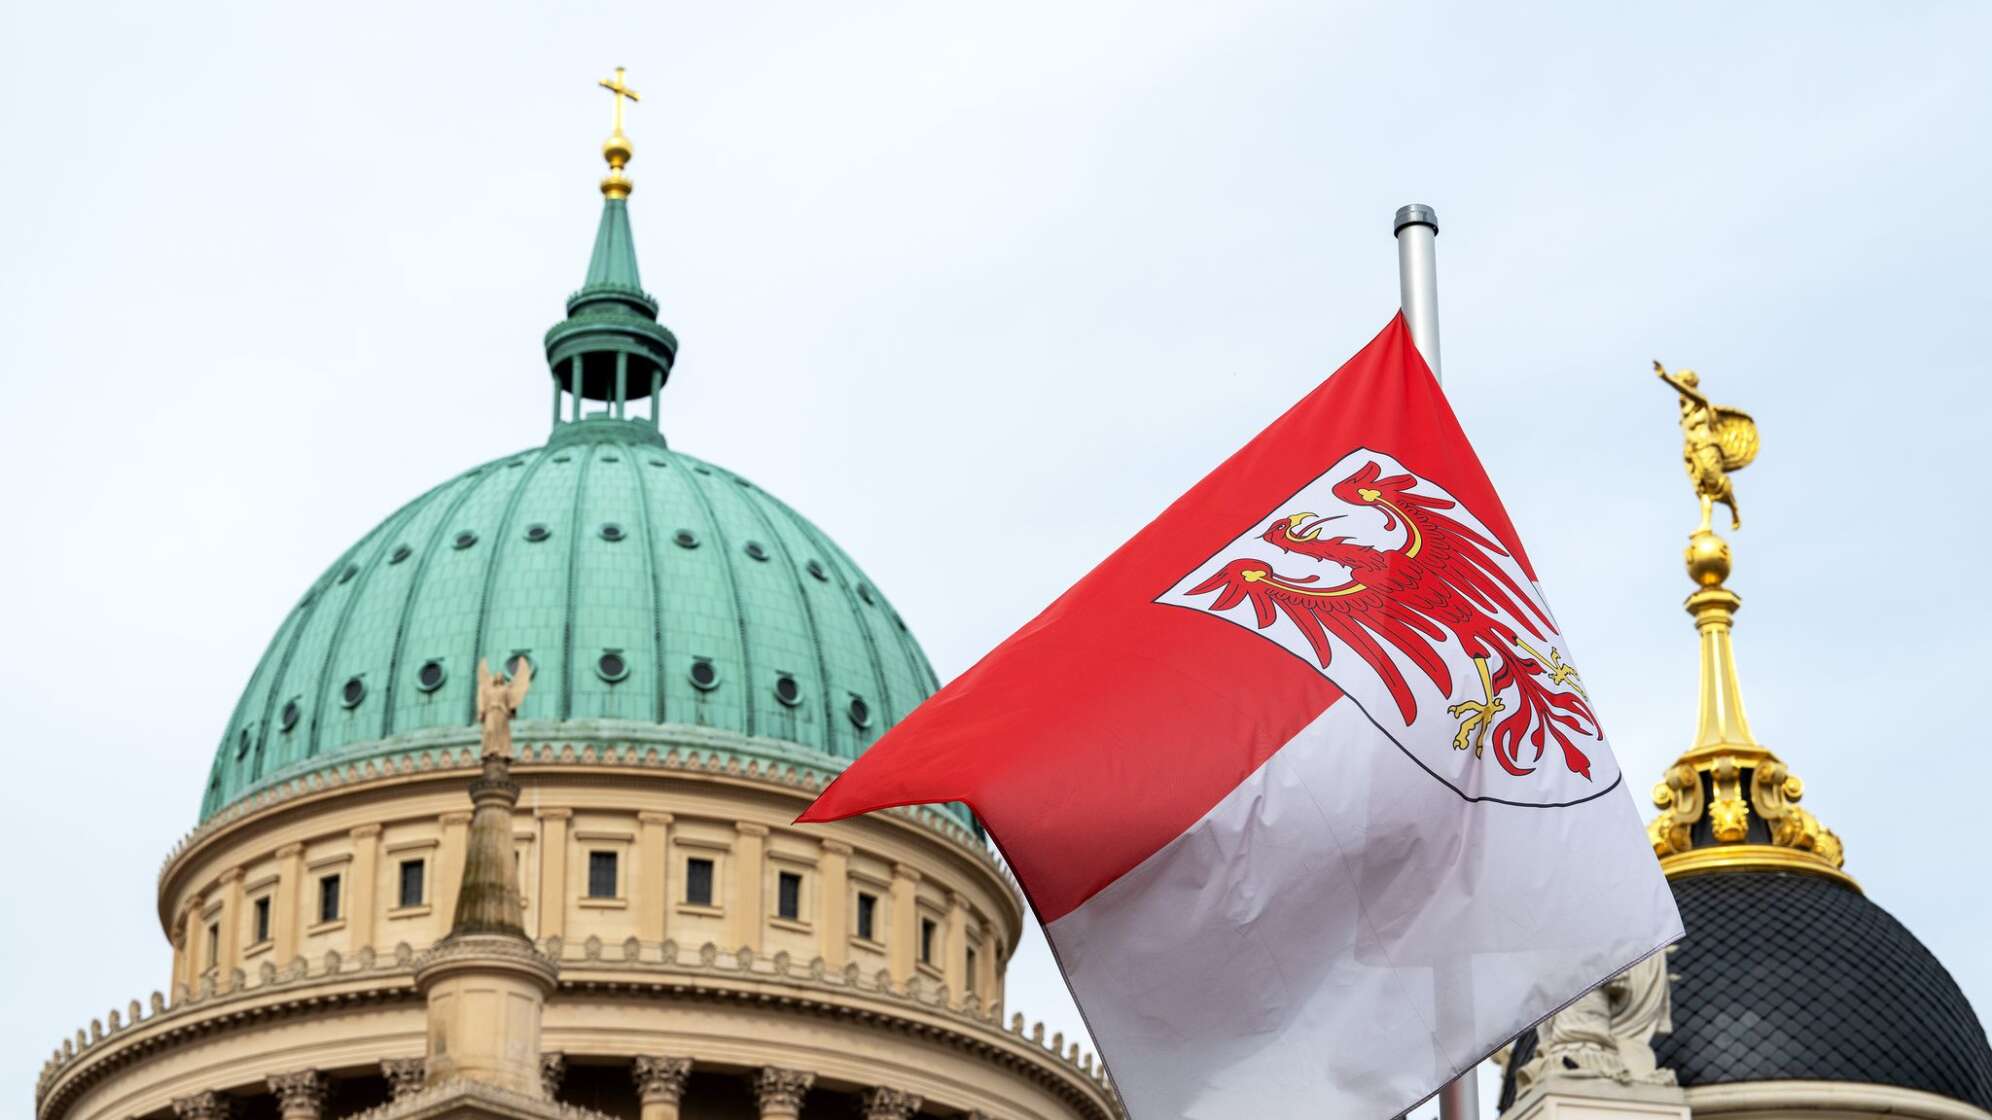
x: 1365, y: 618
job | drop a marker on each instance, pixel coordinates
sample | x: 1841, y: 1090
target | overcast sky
x: 979, y: 290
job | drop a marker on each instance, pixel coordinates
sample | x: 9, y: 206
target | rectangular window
x: 328, y: 898
x: 788, y: 896
x: 413, y: 872
x: 262, y: 920
x: 867, y: 916
x: 601, y: 875
x: 971, y: 972
x: 698, y: 882
x: 927, y: 928
x: 214, y: 944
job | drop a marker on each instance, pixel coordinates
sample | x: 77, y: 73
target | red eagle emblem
x: 1398, y: 577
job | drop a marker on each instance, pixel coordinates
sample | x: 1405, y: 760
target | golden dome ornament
x: 1728, y: 803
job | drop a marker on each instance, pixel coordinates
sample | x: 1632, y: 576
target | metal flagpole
x: 1417, y: 229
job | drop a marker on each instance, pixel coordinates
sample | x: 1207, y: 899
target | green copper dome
x: 660, y: 599
x: 646, y: 587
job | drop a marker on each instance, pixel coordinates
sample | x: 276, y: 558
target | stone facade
x: 765, y: 975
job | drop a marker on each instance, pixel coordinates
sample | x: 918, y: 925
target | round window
x: 290, y: 715
x: 703, y: 469
x: 704, y: 675
x: 611, y: 458
x: 465, y: 539
x: 755, y: 550
x: 513, y: 662
x: 352, y: 692
x: 612, y: 531
x: 611, y: 667
x: 537, y: 533
x: 430, y: 676
x: 350, y: 571
x: 815, y: 568
x: 865, y: 593
x: 656, y: 462
x: 516, y: 464
x: 787, y: 691
x: 242, y: 743
x: 685, y: 538
x: 861, y: 713
x: 563, y: 458
x: 401, y: 552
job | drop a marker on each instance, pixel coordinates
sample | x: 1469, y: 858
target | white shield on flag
x: 1390, y: 587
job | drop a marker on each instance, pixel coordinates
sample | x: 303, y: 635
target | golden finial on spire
x: 616, y: 149
x: 1727, y: 803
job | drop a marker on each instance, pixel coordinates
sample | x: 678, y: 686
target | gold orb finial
x: 617, y: 149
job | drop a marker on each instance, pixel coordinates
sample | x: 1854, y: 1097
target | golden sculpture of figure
x: 1716, y: 440
x: 498, y: 701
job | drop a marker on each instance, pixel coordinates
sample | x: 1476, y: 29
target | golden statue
x: 498, y: 700
x: 1716, y: 440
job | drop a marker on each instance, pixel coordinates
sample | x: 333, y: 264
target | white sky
x: 979, y: 291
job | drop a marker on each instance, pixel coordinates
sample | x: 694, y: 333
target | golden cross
x: 621, y: 89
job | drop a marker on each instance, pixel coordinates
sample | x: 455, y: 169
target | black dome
x: 1788, y: 976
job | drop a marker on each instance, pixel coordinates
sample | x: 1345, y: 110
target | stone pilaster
x: 954, y: 950
x: 365, y: 889
x: 553, y: 872
x: 229, y: 955
x: 653, y: 846
x: 904, y: 944
x: 890, y: 1104
x: 201, y: 1106
x: 833, y: 874
x: 288, y: 903
x: 300, y: 1094
x: 553, y: 1071
x: 405, y: 1076
x: 780, y: 1092
x: 660, y: 1084
x: 750, y: 867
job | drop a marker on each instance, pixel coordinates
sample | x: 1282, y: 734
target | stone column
x: 228, y: 955
x: 553, y: 1071
x: 201, y: 1106
x: 890, y: 1104
x: 553, y: 872
x: 780, y: 1092
x: 651, y: 892
x: 365, y: 888
x: 748, y: 912
x: 954, y: 952
x: 904, y: 945
x: 660, y: 1083
x: 405, y: 1076
x: 300, y: 1095
x: 833, y: 874
x: 183, y: 963
x: 287, y: 904
x: 449, y: 860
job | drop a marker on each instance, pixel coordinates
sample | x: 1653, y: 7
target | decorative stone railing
x: 720, y: 753
x: 706, y: 962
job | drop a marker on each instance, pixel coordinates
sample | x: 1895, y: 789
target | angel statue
x: 1716, y: 440
x: 498, y: 700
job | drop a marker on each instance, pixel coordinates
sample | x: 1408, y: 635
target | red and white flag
x: 1302, y: 780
